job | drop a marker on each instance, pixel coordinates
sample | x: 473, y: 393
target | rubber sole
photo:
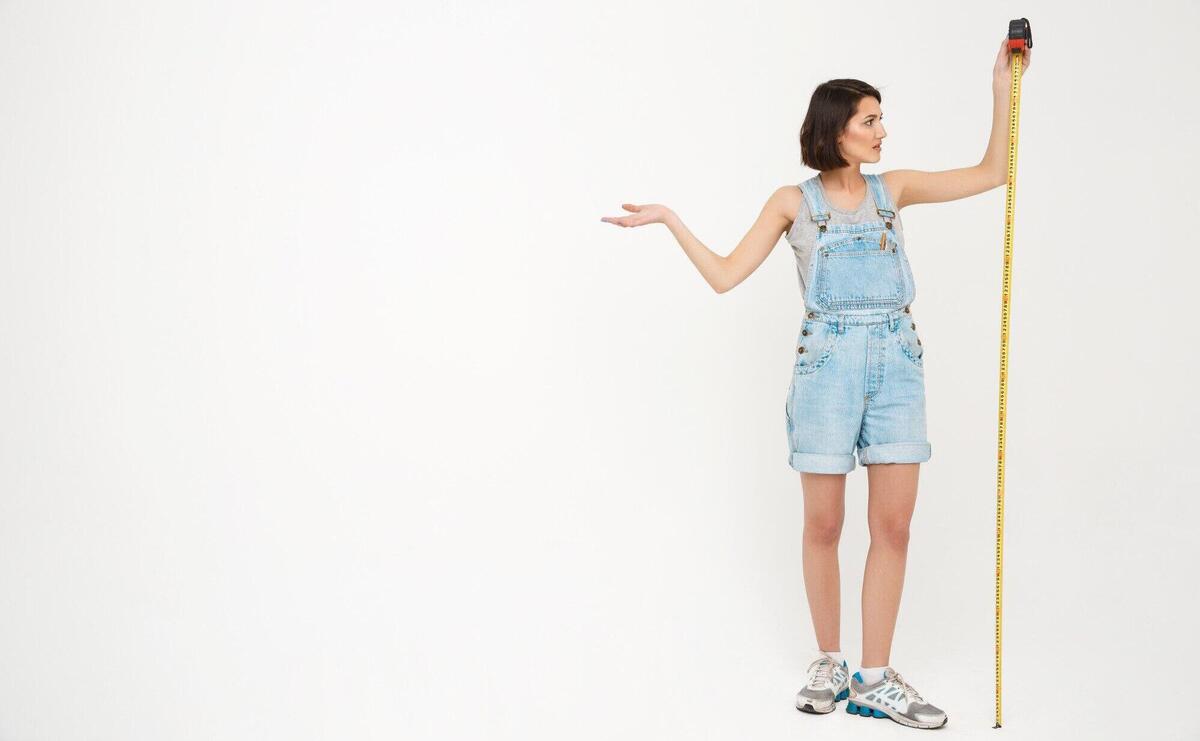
x: 863, y: 711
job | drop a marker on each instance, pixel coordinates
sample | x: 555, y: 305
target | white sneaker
x: 892, y: 697
x: 828, y: 682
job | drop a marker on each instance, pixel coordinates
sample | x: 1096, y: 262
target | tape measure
x: 1020, y: 38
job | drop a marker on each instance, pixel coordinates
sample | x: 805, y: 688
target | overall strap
x: 883, y: 204
x: 816, y: 202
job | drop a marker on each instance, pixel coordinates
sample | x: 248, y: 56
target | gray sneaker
x: 892, y: 697
x: 828, y: 682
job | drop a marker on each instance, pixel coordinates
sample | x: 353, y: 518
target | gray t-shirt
x: 803, y: 233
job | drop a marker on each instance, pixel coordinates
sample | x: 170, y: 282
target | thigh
x: 824, y: 499
x: 892, y: 495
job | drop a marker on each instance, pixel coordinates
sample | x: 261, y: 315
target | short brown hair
x: 829, y: 110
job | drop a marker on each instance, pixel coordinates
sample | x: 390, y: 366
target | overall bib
x: 859, y: 378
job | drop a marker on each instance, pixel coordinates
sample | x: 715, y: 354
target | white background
x: 331, y: 410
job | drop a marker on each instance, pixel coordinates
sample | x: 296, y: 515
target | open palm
x: 648, y: 213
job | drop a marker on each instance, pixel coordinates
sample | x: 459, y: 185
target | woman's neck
x: 846, y: 180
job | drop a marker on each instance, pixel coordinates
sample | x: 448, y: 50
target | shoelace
x: 824, y: 671
x: 910, y: 692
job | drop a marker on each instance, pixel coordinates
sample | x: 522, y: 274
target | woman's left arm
x: 918, y: 186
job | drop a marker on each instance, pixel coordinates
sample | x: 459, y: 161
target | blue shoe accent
x: 855, y: 709
x: 858, y: 677
x: 842, y: 695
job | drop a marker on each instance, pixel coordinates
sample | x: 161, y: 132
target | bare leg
x: 892, y: 498
x: 824, y: 512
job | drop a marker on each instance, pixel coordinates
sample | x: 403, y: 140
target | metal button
x: 913, y: 325
x: 800, y: 349
x: 906, y: 311
x: 918, y: 341
x: 811, y: 315
x: 804, y: 332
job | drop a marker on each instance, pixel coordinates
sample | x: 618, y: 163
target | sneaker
x: 892, y: 697
x: 827, y: 683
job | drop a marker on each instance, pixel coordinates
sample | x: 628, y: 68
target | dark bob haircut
x: 830, y: 109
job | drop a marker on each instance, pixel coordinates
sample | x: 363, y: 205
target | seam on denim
x: 916, y: 359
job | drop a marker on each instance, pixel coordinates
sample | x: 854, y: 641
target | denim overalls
x: 859, y: 378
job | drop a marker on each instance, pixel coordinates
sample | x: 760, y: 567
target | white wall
x: 331, y: 410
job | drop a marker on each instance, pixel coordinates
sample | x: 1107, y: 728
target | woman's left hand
x: 1002, y: 70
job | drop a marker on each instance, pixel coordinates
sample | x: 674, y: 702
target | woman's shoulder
x: 792, y: 206
x: 891, y: 183
x: 791, y: 197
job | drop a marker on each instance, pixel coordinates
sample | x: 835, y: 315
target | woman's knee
x: 823, y: 529
x: 892, y: 532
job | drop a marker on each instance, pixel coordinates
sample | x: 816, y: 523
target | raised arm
x: 721, y: 272
x: 918, y: 186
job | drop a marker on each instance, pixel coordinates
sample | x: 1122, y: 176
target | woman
x: 858, y: 381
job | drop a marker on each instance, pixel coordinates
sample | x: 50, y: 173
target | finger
x: 631, y: 207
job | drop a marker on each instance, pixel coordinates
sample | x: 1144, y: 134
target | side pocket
x: 787, y: 410
x: 814, y: 347
x: 910, y: 343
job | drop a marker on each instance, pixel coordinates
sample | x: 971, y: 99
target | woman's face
x: 862, y: 140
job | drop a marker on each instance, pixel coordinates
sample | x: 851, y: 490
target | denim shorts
x: 858, y: 383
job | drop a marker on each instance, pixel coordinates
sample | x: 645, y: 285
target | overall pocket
x: 910, y: 342
x: 859, y: 272
x: 814, y: 347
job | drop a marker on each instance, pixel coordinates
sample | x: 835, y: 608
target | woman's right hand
x: 646, y: 213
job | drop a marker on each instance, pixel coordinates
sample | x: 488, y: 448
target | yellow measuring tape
x: 1020, y: 38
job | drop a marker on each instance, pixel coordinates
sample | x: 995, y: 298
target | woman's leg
x: 892, y: 498
x: 824, y: 512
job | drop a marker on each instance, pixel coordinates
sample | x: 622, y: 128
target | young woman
x: 858, y: 381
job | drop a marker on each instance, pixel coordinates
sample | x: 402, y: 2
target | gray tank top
x: 803, y: 233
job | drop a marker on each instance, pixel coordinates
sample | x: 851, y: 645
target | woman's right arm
x: 722, y: 273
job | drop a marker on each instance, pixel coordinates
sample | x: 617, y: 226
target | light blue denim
x: 859, y: 378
